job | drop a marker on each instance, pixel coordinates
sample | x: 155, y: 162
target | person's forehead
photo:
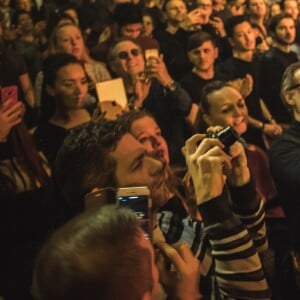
x: 143, y: 124
x: 207, y: 2
x: 242, y: 26
x: 127, y: 149
x: 224, y: 95
x: 286, y: 21
x: 297, y: 76
x: 174, y: 3
x: 133, y: 26
x: 70, y: 71
x: 68, y: 29
x: 204, y: 45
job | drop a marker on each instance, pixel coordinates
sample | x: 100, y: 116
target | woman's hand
x: 9, y: 117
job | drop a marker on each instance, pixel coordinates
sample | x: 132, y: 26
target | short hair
x: 83, y: 161
x: 117, y: 41
x: 275, y: 20
x: 127, y: 13
x: 198, y: 38
x: 232, y: 22
x: 94, y: 256
x: 288, y: 80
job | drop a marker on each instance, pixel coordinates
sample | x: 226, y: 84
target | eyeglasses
x: 293, y: 87
x: 125, y: 54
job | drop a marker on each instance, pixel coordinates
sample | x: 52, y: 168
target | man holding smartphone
x: 104, y: 154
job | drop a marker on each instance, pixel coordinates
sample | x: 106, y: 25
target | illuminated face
x: 132, y: 31
x: 291, y: 7
x: 73, y: 14
x: 70, y: 87
x: 24, y: 5
x: 128, y: 59
x: 148, y: 133
x: 243, y: 37
x: 275, y: 9
x: 257, y: 8
x: 206, y: 8
x: 227, y: 107
x: 237, y: 8
x: 285, y: 31
x: 204, y: 56
x: 70, y: 40
x: 176, y: 11
x: 136, y: 168
x: 148, y: 26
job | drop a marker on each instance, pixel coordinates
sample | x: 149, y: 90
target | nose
x: 155, y: 166
x: 154, y: 142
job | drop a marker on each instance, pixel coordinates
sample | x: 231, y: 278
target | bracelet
x: 271, y: 120
x: 171, y: 86
x: 261, y: 126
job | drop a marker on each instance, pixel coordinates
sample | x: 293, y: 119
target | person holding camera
x: 150, y: 87
x: 104, y: 156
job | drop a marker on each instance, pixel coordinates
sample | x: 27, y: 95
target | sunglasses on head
x: 125, y: 54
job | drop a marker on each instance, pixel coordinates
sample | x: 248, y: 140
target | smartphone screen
x: 9, y: 93
x: 141, y: 205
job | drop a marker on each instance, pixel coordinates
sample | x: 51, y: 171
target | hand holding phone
x: 9, y: 93
x: 138, y: 199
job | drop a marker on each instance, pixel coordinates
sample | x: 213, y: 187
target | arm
x: 27, y: 89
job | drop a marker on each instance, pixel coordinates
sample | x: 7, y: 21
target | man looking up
x: 103, y: 156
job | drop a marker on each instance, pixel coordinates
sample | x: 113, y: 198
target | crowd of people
x: 210, y: 128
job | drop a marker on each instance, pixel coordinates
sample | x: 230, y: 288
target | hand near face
x: 9, y: 117
x: 218, y: 24
x: 159, y: 71
x: 183, y: 282
x: 206, y: 164
x: 239, y: 173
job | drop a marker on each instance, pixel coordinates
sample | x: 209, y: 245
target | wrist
x: 171, y: 85
x: 261, y: 126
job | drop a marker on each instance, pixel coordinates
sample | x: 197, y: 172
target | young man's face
x: 257, y: 8
x: 243, y: 37
x: 204, y: 56
x: 136, y: 168
x: 206, y: 8
x: 291, y: 7
x: 132, y: 31
x: 285, y: 32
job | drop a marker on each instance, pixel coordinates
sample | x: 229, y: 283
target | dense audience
x: 225, y: 216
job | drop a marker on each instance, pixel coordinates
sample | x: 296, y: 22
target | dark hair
x: 96, y: 255
x: 52, y: 64
x: 275, y: 20
x: 198, y: 38
x: 83, y: 161
x: 232, y: 22
x: 127, y: 13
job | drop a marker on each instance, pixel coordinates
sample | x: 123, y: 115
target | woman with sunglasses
x: 150, y: 87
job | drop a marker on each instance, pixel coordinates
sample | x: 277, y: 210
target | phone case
x: 9, y: 93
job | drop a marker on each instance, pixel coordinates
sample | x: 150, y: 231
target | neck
x: 71, y: 118
x: 172, y: 27
x: 207, y: 74
x: 283, y: 47
x: 243, y: 55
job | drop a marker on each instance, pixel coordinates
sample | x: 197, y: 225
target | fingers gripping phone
x: 9, y: 93
x: 138, y: 199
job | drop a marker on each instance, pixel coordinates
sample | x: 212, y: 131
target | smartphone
x: 9, y: 93
x: 138, y: 199
x: 151, y: 54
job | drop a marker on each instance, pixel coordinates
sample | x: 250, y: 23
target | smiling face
x: 227, y: 107
x: 136, y: 168
x: 129, y: 64
x: 69, y: 40
x: 204, y: 56
x: 148, y: 133
x: 70, y: 87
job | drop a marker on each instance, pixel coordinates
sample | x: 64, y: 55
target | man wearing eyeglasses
x: 285, y: 161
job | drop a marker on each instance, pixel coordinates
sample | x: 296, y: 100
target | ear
x: 216, y: 52
x: 231, y: 42
x: 207, y: 119
x: 289, y: 97
x: 50, y: 90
